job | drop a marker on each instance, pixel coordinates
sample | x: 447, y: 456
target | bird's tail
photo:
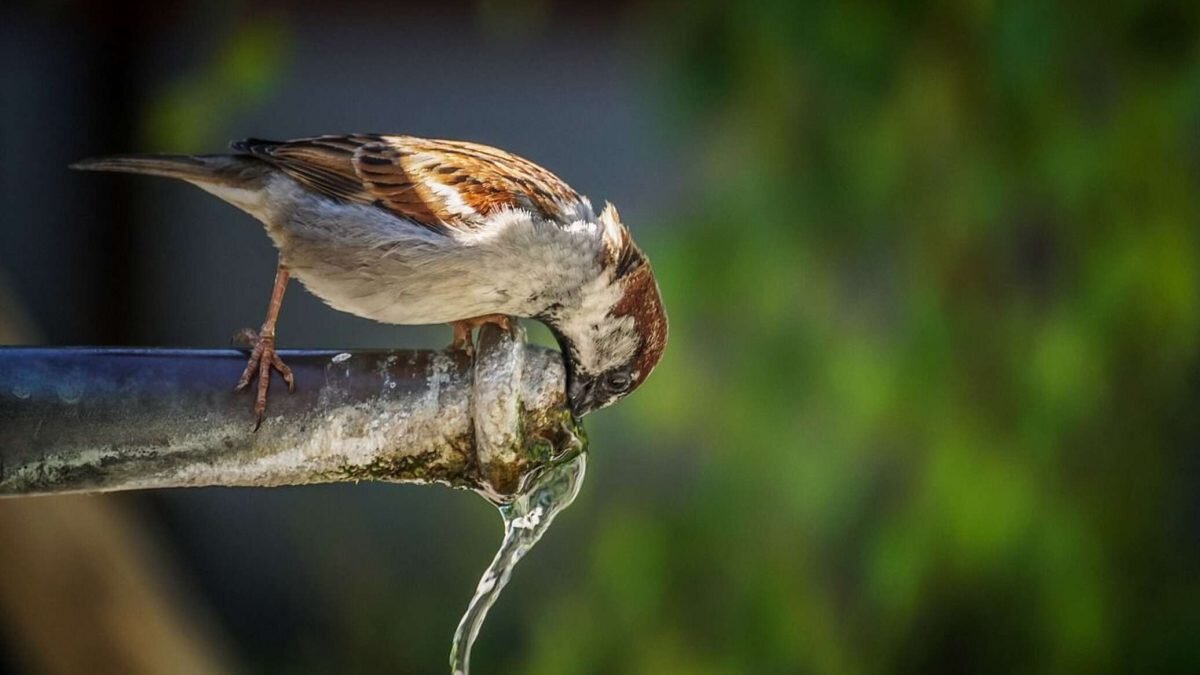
x: 221, y: 170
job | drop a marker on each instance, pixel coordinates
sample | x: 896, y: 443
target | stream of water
x: 526, y: 519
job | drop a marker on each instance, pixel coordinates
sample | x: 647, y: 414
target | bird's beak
x: 581, y: 395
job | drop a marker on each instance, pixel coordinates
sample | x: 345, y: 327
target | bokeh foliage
x: 191, y: 114
x: 933, y: 362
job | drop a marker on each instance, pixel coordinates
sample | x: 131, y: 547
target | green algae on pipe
x: 83, y: 420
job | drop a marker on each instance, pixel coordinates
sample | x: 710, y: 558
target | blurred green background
x: 933, y: 274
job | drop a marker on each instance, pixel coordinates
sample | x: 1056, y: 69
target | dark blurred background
x: 930, y: 402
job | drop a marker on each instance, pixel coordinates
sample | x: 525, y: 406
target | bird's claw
x: 463, y: 341
x: 262, y: 359
x: 463, y: 344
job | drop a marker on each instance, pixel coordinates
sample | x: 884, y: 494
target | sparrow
x: 407, y: 230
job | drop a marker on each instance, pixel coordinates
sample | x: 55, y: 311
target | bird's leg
x: 262, y: 355
x: 462, y: 330
x: 461, y: 342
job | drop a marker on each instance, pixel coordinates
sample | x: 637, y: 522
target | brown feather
x: 642, y: 301
x: 439, y: 184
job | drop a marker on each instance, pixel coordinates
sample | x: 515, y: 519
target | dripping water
x: 526, y: 519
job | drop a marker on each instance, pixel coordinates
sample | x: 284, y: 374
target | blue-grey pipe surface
x: 80, y: 419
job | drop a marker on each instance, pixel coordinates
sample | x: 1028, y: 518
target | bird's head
x: 616, y: 334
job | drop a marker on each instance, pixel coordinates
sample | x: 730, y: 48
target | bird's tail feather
x: 226, y: 170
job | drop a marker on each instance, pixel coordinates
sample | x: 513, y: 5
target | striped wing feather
x: 439, y: 184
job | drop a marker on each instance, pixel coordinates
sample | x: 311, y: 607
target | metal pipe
x: 81, y: 420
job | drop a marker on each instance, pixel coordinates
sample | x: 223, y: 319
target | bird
x: 407, y: 230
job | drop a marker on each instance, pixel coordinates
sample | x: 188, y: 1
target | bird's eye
x: 618, y: 382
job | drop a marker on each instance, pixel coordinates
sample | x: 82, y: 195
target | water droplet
x: 70, y: 392
x: 341, y: 357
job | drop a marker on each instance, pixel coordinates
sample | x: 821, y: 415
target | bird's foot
x: 462, y: 331
x: 262, y: 359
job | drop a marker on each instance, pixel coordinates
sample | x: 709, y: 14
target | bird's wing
x: 443, y: 185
